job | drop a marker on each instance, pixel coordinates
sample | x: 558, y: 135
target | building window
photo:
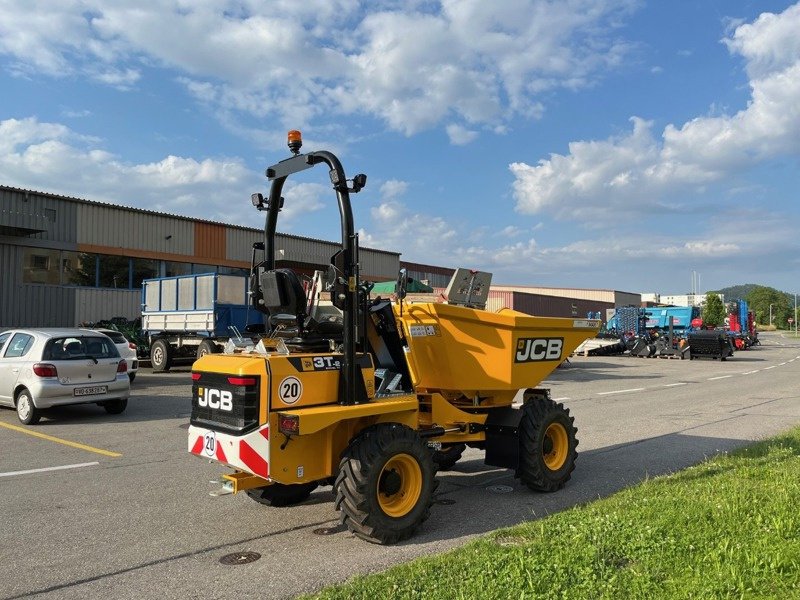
x: 197, y: 268
x: 114, y: 271
x: 234, y: 271
x: 171, y: 269
x: 78, y: 268
x: 143, y: 268
x: 40, y: 265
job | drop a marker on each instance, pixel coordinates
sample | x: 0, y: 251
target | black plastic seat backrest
x: 283, y: 294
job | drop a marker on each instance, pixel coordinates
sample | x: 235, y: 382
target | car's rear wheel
x: 27, y: 412
x: 116, y: 407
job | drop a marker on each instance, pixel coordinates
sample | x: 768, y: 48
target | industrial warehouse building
x: 539, y: 301
x: 65, y: 261
x: 560, y: 302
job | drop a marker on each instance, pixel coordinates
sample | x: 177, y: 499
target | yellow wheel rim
x: 399, y: 485
x: 556, y: 446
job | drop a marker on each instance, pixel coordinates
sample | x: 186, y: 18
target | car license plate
x: 90, y: 391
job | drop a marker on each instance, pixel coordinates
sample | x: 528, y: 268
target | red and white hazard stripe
x: 248, y: 453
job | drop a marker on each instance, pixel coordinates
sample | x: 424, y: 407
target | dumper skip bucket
x: 454, y: 348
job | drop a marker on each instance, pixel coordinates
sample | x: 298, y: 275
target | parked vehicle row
x: 44, y: 368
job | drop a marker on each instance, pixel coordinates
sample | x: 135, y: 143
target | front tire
x: 161, y: 356
x: 279, y: 494
x: 548, y: 445
x: 385, y: 484
x: 27, y: 413
x: 116, y: 407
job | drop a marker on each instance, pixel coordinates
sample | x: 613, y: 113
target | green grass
x: 728, y: 528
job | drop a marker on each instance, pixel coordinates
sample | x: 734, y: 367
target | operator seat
x: 286, y: 302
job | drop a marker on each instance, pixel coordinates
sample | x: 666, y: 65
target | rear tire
x: 27, y: 412
x: 161, y: 355
x: 206, y: 347
x: 384, y: 489
x: 116, y: 407
x: 279, y: 494
x: 446, y: 458
x: 547, y: 445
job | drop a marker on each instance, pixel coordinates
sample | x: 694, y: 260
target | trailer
x: 189, y: 316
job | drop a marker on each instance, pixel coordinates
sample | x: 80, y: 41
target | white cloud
x: 460, y: 135
x: 597, y: 180
x: 393, y: 188
x: 51, y: 157
x: 414, y: 66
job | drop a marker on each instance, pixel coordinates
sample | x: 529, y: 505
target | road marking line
x: 781, y: 364
x: 51, y: 438
x: 45, y: 469
x: 559, y: 399
x: 674, y: 384
x: 720, y: 377
x: 620, y: 391
x: 751, y: 372
x: 768, y: 368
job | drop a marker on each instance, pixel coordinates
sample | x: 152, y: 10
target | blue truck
x: 188, y: 316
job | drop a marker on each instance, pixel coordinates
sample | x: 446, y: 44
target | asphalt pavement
x: 103, y: 506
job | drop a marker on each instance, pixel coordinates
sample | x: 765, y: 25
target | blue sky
x: 596, y: 143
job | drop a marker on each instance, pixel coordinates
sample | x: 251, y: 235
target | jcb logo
x: 211, y: 398
x: 532, y: 349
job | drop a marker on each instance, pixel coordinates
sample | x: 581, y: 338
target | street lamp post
x: 770, y: 315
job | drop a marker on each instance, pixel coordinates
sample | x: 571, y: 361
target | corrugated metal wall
x: 613, y: 297
x: 239, y: 243
x: 541, y: 305
x: 209, y: 242
x: 23, y: 305
x: 627, y: 299
x: 81, y: 225
x: 29, y: 210
x: 118, y: 227
x: 97, y: 304
x: 553, y: 306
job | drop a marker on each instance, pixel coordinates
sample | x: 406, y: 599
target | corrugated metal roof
x: 174, y: 216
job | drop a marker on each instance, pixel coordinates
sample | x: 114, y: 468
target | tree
x: 713, y: 310
x: 761, y: 298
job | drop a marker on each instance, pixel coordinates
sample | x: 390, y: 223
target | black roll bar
x: 278, y: 174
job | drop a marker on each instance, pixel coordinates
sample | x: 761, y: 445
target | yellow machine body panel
x: 325, y: 431
x: 452, y: 347
x: 305, y: 386
x: 301, y: 380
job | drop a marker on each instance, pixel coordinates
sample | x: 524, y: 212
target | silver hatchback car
x: 42, y: 368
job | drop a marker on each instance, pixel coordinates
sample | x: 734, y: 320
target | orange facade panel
x: 209, y: 241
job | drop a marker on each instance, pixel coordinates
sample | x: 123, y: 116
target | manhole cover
x: 239, y: 558
x: 445, y: 501
x: 500, y: 489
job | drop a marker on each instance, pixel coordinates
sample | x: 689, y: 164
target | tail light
x: 45, y: 370
x: 131, y: 345
x: 289, y: 424
x: 122, y: 366
x: 242, y: 380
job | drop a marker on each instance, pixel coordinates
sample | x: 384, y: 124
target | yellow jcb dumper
x: 376, y: 401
